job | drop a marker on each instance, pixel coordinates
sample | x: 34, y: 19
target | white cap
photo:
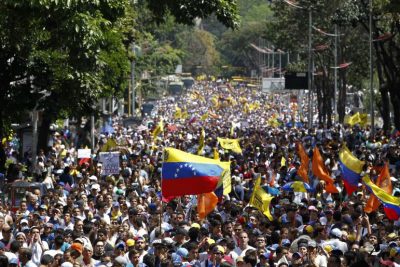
x: 323, y: 220
x: 94, y: 178
x: 95, y: 186
x: 336, y: 232
x: 24, y: 221
x: 67, y: 264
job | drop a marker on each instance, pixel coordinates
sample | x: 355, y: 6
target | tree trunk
x: 395, y: 97
x: 342, y: 97
x: 384, y: 109
x: 2, y: 151
x: 44, y: 132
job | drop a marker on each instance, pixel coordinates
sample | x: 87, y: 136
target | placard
x: 110, y: 161
x: 84, y: 153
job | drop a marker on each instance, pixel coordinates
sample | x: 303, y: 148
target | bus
x: 175, y: 88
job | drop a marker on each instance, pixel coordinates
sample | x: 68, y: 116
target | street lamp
x: 371, y: 69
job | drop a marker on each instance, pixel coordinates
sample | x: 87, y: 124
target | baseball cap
x: 183, y: 252
x: 312, y: 244
x: 239, y: 259
x: 120, y: 245
x: 121, y: 260
x: 93, y: 178
x: 336, y: 232
x: 77, y: 246
x: 210, y: 241
x: 130, y: 242
x: 195, y: 225
x: 296, y: 255
x: 312, y: 208
x: 95, y: 186
x: 218, y: 248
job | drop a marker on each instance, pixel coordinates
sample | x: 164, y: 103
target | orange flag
x: 319, y: 170
x: 206, y: 203
x: 383, y: 182
x: 303, y: 169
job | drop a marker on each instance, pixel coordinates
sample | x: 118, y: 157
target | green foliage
x: 235, y: 46
x: 200, y: 51
x: 73, y: 49
x: 159, y: 59
x: 186, y: 11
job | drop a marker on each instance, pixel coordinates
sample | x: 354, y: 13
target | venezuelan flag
x: 187, y: 174
x: 390, y: 203
x: 297, y: 186
x: 351, y: 169
x: 382, y: 182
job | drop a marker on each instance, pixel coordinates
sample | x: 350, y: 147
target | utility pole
x: 335, y: 70
x: 371, y: 71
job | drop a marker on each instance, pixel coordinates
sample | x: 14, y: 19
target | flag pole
x: 161, y: 215
x: 162, y: 202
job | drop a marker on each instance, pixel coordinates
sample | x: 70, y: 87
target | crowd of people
x: 82, y: 217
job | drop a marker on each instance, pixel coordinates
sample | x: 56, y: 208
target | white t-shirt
x: 241, y: 252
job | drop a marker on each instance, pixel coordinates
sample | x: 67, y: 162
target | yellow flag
x: 358, y: 118
x: 159, y: 129
x: 215, y: 102
x: 256, y: 185
x: 273, y: 122
x: 110, y: 144
x: 261, y: 200
x: 283, y: 161
x: 216, y: 153
x: 230, y: 144
x: 204, y: 116
x: 178, y: 113
x: 363, y: 119
x: 184, y: 115
x: 225, y: 179
x: 201, y: 142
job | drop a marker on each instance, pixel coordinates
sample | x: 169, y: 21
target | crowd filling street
x: 322, y: 209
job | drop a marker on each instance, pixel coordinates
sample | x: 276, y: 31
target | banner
x: 110, y: 161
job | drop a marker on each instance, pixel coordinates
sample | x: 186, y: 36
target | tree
x: 74, y: 50
x: 288, y: 31
x: 186, y: 11
x: 200, y: 51
x: 78, y: 51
